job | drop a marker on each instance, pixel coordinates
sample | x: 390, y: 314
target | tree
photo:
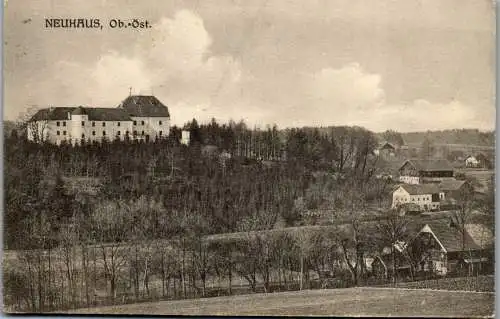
x: 33, y: 128
x: 352, y: 207
x: 427, y: 148
x: 463, y: 214
x: 112, y: 227
x: 393, y: 137
x: 392, y: 229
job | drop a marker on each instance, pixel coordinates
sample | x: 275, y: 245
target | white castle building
x: 138, y: 117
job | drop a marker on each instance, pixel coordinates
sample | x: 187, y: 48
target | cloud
x: 422, y: 115
x: 352, y: 96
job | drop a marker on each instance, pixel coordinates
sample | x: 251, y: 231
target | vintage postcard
x: 249, y: 157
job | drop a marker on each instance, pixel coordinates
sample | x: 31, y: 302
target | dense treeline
x: 229, y: 192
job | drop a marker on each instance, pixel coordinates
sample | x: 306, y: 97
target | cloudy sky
x: 407, y: 65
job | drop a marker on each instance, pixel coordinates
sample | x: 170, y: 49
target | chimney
x: 69, y: 116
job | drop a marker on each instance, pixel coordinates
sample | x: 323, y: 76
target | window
x: 142, y: 133
x: 160, y: 133
x: 93, y: 132
x: 135, y: 133
x: 64, y: 123
x: 103, y: 133
x: 64, y: 132
x: 118, y: 133
x: 135, y: 122
x: 118, y: 124
x: 126, y: 133
x: 93, y: 124
x: 58, y: 133
x: 160, y: 122
x: 58, y: 123
x: 103, y: 124
x: 83, y: 136
x: 83, y: 123
x: 142, y: 123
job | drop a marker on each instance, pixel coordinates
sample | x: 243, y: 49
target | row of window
x: 413, y: 199
x: 160, y: 133
x: 104, y: 123
x: 142, y: 123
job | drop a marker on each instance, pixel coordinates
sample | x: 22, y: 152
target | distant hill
x: 457, y: 136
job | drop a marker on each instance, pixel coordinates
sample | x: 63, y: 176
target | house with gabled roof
x: 386, y: 149
x: 440, y: 247
x: 138, y: 117
x: 421, y: 171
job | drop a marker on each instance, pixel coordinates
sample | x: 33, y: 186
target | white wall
x: 409, y: 179
x: 152, y: 126
x: 400, y: 196
x: 72, y: 130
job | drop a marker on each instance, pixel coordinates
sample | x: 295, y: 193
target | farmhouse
x: 138, y: 117
x: 440, y: 247
x: 385, y: 149
x: 456, y: 189
x: 417, y: 171
x: 426, y: 196
x: 471, y: 161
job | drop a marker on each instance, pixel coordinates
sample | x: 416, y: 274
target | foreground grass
x: 337, y: 302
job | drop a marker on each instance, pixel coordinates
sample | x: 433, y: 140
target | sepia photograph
x: 249, y: 158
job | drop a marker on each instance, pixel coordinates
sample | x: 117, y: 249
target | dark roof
x: 52, y: 114
x: 386, y: 145
x: 430, y: 164
x: 79, y: 111
x: 421, y: 189
x: 144, y: 106
x: 477, y: 236
x: 451, y: 184
x: 107, y: 114
x: 94, y: 114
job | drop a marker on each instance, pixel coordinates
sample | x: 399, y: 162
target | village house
x: 418, y: 171
x: 385, y: 149
x: 138, y: 117
x: 440, y: 248
x: 456, y: 190
x: 427, y: 196
x: 471, y: 161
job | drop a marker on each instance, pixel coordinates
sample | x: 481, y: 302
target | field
x: 335, y: 302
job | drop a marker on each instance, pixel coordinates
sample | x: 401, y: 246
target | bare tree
x: 112, y: 223
x: 34, y: 129
x: 392, y: 229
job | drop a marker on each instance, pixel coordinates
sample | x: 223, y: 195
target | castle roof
x: 144, y: 106
x: 93, y: 113
x: 134, y: 105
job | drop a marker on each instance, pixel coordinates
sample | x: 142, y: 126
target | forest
x: 126, y: 220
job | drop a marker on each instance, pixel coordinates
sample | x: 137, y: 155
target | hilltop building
x: 138, y: 117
